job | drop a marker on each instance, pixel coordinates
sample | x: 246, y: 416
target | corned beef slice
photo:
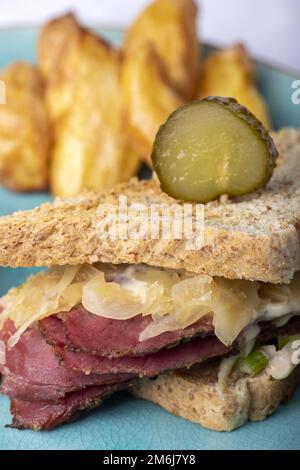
x: 43, y: 393
x: 50, y: 383
x: 113, y: 338
x: 38, y: 415
x: 15, y: 386
x: 56, y: 403
x: 183, y: 355
x: 32, y: 372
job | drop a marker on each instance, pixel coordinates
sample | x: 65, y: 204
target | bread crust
x: 255, y: 237
x: 193, y: 395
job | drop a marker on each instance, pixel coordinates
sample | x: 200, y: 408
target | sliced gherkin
x: 211, y: 147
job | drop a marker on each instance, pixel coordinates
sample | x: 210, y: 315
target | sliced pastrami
x: 183, y: 355
x: 39, y: 415
x: 84, y: 331
x: 32, y: 371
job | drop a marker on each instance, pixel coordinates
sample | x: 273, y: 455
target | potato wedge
x: 84, y: 99
x: 148, y: 97
x: 170, y: 26
x: 58, y: 44
x: 56, y: 38
x: 229, y: 72
x: 24, y: 130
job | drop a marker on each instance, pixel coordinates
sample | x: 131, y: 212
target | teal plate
x: 123, y: 422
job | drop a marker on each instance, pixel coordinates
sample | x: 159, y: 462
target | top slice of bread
x: 255, y: 237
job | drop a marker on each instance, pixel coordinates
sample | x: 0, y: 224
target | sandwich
x: 205, y: 333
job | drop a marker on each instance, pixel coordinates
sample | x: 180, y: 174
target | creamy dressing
x: 274, y: 311
x: 283, y: 362
x: 249, y: 336
x: 225, y: 368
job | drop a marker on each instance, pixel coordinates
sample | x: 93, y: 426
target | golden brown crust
x: 164, y: 23
x: 230, y: 72
x: 87, y: 119
x: 193, y: 396
x: 25, y: 134
x: 254, y: 237
x: 148, y: 97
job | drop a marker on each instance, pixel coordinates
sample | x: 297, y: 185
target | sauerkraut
x: 175, y: 300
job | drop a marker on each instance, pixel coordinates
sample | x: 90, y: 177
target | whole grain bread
x: 193, y: 395
x: 255, y: 237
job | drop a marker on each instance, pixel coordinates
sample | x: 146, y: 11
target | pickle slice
x: 211, y: 147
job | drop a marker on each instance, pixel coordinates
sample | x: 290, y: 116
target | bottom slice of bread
x: 193, y: 394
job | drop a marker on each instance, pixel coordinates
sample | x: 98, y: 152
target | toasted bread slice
x: 255, y: 237
x: 192, y: 394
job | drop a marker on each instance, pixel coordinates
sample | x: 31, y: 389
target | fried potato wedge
x: 58, y: 47
x: 149, y: 99
x: 170, y: 26
x: 56, y: 38
x: 24, y: 130
x: 229, y: 72
x: 85, y: 104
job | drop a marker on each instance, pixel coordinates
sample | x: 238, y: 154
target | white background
x: 270, y: 28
